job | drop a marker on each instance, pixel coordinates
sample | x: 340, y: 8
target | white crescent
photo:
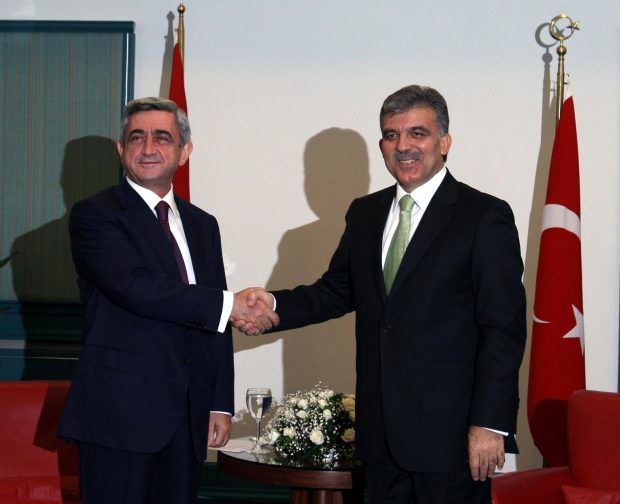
x: 558, y: 216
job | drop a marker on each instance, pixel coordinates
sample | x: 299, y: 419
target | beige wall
x: 284, y: 96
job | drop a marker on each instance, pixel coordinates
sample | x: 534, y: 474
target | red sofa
x: 593, y: 476
x: 35, y: 466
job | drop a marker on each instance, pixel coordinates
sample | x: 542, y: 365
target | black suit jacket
x: 150, y: 341
x: 443, y: 350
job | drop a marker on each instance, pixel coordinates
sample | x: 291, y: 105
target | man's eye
x: 418, y: 134
x: 390, y: 136
x: 162, y: 140
x: 134, y: 139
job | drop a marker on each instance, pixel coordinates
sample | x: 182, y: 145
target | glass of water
x: 258, y: 401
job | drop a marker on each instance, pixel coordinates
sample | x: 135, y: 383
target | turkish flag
x: 557, y: 366
x: 177, y: 95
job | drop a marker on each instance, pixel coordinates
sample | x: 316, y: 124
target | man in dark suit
x: 154, y: 385
x: 440, y: 335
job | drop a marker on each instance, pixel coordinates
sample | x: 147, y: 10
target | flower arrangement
x: 317, y: 424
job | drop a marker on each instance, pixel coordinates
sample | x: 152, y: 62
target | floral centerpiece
x: 317, y: 424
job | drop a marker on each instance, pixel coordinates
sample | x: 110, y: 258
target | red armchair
x: 593, y: 476
x: 35, y: 466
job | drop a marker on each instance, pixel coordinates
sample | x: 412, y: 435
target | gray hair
x: 156, y: 103
x: 415, y: 96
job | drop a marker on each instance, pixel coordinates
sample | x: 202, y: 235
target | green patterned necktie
x: 399, y: 242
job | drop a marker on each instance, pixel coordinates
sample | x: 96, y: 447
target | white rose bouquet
x: 316, y: 424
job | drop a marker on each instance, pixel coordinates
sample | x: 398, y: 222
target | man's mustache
x: 150, y: 159
x: 407, y: 156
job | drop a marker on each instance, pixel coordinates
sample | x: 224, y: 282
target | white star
x: 577, y: 331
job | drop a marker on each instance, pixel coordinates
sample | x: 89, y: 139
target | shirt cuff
x: 497, y: 431
x: 227, y: 306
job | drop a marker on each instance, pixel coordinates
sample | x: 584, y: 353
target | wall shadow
x: 529, y: 456
x: 336, y: 171
x: 43, y: 272
x: 166, y: 64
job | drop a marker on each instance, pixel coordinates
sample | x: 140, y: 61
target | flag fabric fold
x: 557, y: 366
x: 177, y: 95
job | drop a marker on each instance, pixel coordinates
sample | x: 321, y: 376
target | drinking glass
x: 258, y: 401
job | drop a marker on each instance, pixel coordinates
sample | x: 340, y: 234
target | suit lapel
x: 141, y: 216
x: 437, y: 215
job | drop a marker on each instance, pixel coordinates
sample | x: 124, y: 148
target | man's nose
x: 403, y: 144
x: 149, y: 145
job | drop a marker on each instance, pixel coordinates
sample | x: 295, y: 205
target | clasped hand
x: 253, y: 311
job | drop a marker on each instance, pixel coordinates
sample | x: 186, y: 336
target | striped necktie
x: 399, y: 242
x: 162, y: 214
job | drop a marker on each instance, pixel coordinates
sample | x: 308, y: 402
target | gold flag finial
x: 181, y: 31
x: 558, y: 34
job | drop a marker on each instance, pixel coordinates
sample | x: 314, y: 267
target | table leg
x: 299, y: 496
x: 326, y: 497
x: 307, y: 496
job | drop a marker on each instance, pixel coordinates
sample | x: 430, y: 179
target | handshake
x: 252, y: 311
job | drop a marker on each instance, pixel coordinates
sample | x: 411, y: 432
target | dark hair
x: 417, y: 96
x: 156, y: 103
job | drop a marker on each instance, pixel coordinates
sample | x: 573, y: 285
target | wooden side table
x: 310, y: 484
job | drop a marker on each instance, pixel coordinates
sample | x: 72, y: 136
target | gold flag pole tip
x: 181, y: 31
x: 558, y: 34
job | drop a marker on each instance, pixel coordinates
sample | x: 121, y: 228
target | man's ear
x: 445, y: 142
x: 185, y: 153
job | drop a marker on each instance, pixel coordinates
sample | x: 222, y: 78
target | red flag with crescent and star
x: 557, y: 365
x: 177, y: 95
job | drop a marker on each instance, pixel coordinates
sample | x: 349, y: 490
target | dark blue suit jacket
x: 150, y: 341
x: 442, y: 351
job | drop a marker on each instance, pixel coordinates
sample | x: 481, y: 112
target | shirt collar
x: 151, y: 199
x: 422, y: 195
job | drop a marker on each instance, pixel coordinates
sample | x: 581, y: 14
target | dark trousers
x: 390, y: 484
x: 170, y: 476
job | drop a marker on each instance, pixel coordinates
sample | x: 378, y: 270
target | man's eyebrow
x: 162, y: 132
x: 416, y: 127
x: 159, y: 132
x: 419, y: 128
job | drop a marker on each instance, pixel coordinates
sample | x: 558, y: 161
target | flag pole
x: 181, y: 31
x: 177, y: 95
x: 558, y: 34
x: 557, y: 364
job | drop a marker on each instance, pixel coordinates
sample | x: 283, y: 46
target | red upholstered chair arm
x: 531, y: 487
x: 594, y: 444
x: 35, y: 466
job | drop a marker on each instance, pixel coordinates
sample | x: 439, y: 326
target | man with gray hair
x: 154, y: 384
x: 432, y: 269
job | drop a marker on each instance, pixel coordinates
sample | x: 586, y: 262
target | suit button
x: 185, y: 361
